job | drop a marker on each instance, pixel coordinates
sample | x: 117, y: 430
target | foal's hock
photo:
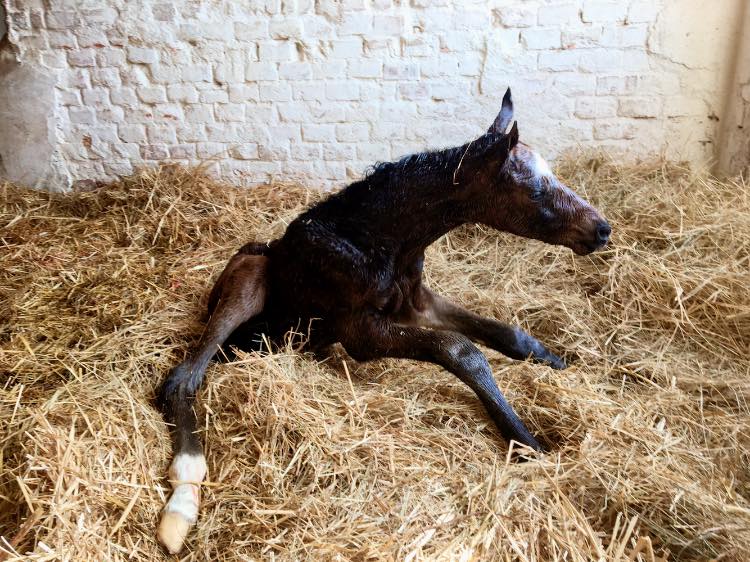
x: 350, y: 268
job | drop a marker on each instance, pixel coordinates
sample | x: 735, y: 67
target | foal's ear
x: 503, y: 119
x: 489, y: 159
x: 513, y: 135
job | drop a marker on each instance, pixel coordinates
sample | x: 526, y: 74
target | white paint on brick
x: 317, y: 91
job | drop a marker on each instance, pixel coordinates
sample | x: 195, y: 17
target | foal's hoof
x: 552, y: 360
x: 556, y: 363
x: 173, y: 530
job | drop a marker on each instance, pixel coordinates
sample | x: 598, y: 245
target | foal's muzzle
x: 603, y: 230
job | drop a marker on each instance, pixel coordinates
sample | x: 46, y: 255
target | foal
x: 351, y: 269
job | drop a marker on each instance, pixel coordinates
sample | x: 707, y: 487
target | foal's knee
x: 460, y: 351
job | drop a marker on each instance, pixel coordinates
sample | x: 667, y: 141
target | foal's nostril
x: 603, y: 230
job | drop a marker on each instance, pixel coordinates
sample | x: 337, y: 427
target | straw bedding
x: 102, y: 292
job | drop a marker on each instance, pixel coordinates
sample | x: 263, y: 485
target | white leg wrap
x: 186, y: 473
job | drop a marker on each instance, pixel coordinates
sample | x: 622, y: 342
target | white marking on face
x: 539, y: 166
x: 186, y: 473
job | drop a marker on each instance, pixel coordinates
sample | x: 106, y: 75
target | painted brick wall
x: 315, y: 91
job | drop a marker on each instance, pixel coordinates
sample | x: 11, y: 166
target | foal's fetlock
x: 186, y: 473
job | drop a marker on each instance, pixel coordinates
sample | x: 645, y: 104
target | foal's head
x: 521, y: 195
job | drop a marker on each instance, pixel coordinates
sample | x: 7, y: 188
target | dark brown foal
x: 351, y: 268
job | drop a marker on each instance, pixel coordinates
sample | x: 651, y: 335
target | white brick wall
x: 316, y: 91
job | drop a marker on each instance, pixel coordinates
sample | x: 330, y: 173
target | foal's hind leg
x: 440, y: 313
x: 451, y: 350
x: 238, y: 295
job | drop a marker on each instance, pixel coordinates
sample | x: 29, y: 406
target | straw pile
x: 102, y: 292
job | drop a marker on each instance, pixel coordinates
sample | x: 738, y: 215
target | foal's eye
x: 538, y: 193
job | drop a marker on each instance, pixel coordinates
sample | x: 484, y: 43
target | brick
x: 132, y: 133
x: 558, y: 61
x: 308, y: 91
x: 120, y: 169
x: 558, y: 15
x: 261, y: 71
x: 541, y: 38
x: 214, y: 96
x: 61, y: 39
x: 400, y: 71
x: 286, y: 28
x: 161, y: 134
x: 295, y: 71
x: 365, y: 68
x: 419, y: 46
x: 616, y: 85
x: 61, y: 19
x: 182, y: 151
x: 91, y: 37
x: 106, y: 77
x: 155, y: 94
x: 252, y: 29
x: 95, y: 97
x: 154, y: 152
x: 182, y: 93
x: 387, y: 25
x: 599, y: 60
x: 346, y: 49
x: 624, y: 36
x: 229, y: 112
x: 276, y: 152
x: 245, y: 151
x: 164, y: 11
x: 82, y: 115
x: 69, y: 98
x: 374, y: 152
x: 610, y: 130
x: 102, y: 17
x: 82, y: 57
x: 222, y: 132
x: 140, y: 55
x: 164, y: 74
x: 205, y: 31
x: 316, y: 27
x: 413, y: 91
x: 197, y: 73
x: 318, y: 133
x: 595, y: 107
x: 640, y: 107
x: 243, y: 92
x: 110, y: 57
x: 582, y: 38
x: 124, y: 96
x: 276, y: 51
x: 355, y: 24
x: 342, y: 91
x: 575, y: 84
x: 516, y: 16
x: 604, y: 12
x: 339, y: 152
x: 305, y: 151
x: 275, y: 91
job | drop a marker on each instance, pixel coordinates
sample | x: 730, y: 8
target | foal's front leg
x: 440, y: 313
x: 454, y: 352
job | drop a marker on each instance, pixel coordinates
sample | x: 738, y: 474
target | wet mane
x: 433, y: 165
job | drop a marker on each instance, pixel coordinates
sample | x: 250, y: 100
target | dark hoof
x: 556, y: 363
x: 552, y: 360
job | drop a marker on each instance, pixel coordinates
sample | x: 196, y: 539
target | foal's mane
x: 435, y: 165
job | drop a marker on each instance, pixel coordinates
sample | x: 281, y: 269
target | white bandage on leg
x: 186, y: 473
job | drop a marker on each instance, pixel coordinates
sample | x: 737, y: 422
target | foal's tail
x: 239, y: 294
